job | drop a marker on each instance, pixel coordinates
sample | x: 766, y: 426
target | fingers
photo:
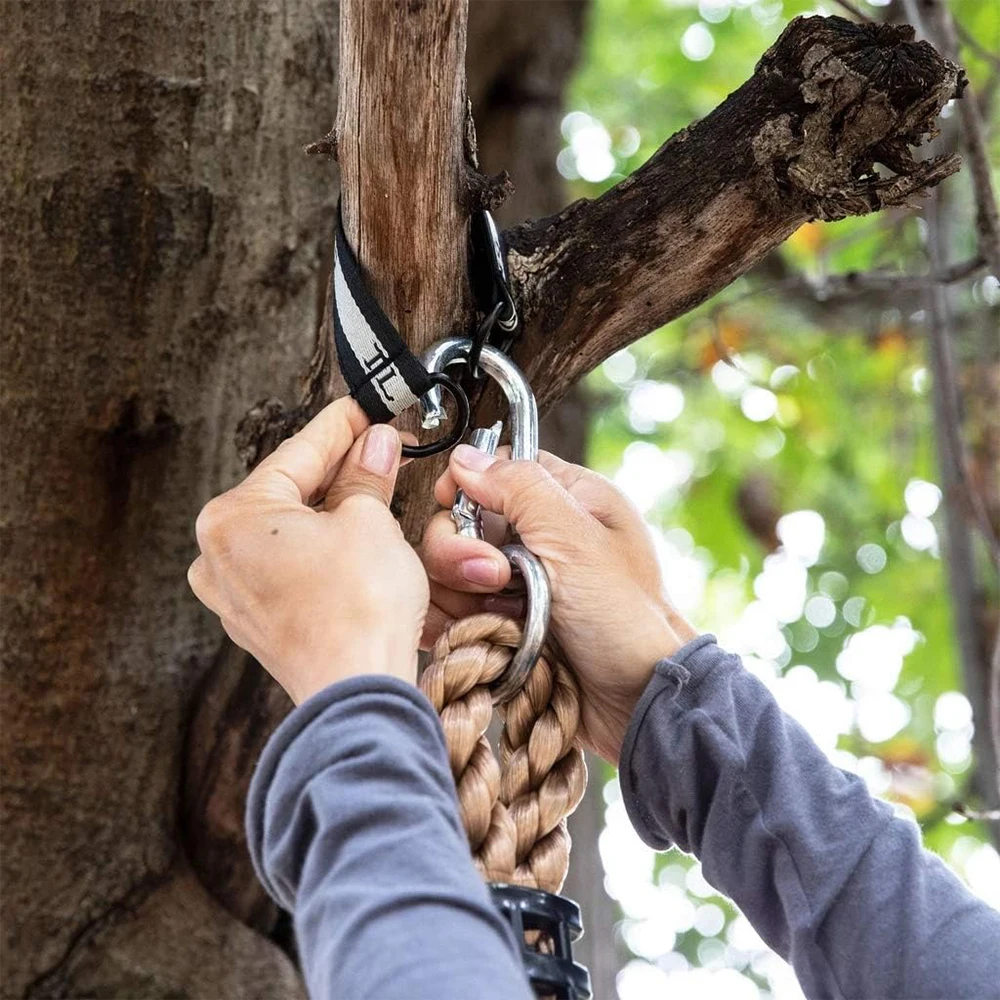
x: 300, y: 466
x: 449, y: 605
x: 198, y: 579
x: 445, y: 486
x: 407, y: 438
x: 457, y: 604
x: 369, y: 468
x: 564, y: 473
x: 461, y: 563
x: 435, y: 622
x: 525, y: 493
x: 591, y: 490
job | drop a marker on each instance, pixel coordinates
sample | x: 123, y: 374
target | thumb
x: 525, y: 493
x: 369, y: 468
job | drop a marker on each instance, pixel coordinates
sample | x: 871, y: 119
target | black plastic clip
x: 557, y: 923
x: 490, y: 281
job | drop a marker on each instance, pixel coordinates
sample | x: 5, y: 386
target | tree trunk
x: 161, y: 238
x: 401, y: 142
x: 163, y: 244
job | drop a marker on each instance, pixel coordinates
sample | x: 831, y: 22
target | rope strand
x: 514, y: 811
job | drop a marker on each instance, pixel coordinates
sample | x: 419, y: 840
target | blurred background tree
x: 801, y: 474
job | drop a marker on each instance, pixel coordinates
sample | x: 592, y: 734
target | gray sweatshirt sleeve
x: 828, y: 876
x: 353, y: 826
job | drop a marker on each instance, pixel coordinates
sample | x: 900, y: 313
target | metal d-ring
x: 536, y: 623
x: 438, y: 382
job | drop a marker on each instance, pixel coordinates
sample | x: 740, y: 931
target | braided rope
x: 514, y: 811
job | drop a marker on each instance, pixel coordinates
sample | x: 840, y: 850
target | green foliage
x: 787, y: 407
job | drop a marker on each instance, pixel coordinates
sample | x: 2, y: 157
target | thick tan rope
x: 514, y: 810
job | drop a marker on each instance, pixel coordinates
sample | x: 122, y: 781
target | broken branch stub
x: 800, y: 140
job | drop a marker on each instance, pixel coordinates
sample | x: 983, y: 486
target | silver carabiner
x: 466, y: 512
x: 520, y: 398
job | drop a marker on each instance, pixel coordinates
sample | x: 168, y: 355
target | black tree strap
x: 381, y: 372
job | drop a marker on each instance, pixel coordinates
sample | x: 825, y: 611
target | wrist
x: 342, y: 662
x: 653, y: 639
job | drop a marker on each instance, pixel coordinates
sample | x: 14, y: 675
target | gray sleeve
x: 828, y: 876
x: 353, y: 825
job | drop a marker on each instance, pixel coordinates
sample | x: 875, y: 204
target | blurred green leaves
x: 768, y: 401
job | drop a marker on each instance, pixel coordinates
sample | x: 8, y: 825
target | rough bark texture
x: 161, y: 239
x: 798, y: 141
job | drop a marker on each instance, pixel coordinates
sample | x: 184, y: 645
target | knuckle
x: 198, y: 580
x: 434, y: 554
x: 213, y: 523
x: 363, y: 502
x: 533, y: 484
x: 517, y: 476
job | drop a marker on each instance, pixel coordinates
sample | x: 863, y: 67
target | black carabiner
x: 481, y: 338
x: 463, y: 414
x: 488, y: 273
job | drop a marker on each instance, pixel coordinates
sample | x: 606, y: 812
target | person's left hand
x: 306, y: 566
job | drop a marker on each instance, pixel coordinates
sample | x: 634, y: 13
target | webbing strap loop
x: 381, y: 372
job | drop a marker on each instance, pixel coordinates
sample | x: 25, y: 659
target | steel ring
x: 536, y: 623
x: 462, y: 417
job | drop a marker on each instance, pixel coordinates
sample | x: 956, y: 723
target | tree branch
x: 835, y: 299
x: 849, y: 287
x: 940, y: 28
x: 798, y: 141
x: 960, y: 498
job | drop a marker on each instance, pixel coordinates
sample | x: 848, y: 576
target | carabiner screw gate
x: 466, y: 512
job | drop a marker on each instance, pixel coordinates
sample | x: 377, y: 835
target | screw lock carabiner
x: 466, y: 512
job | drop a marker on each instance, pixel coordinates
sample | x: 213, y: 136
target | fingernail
x: 482, y: 571
x: 378, y: 455
x: 472, y: 458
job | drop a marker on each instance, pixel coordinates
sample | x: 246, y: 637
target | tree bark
x: 154, y: 281
x: 798, y: 141
x: 161, y: 241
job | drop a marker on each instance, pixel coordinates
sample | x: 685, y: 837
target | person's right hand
x: 610, y: 614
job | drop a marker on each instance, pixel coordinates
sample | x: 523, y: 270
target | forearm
x: 828, y: 876
x: 353, y: 826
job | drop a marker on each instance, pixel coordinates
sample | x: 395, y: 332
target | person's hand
x: 610, y: 614
x: 305, y: 565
